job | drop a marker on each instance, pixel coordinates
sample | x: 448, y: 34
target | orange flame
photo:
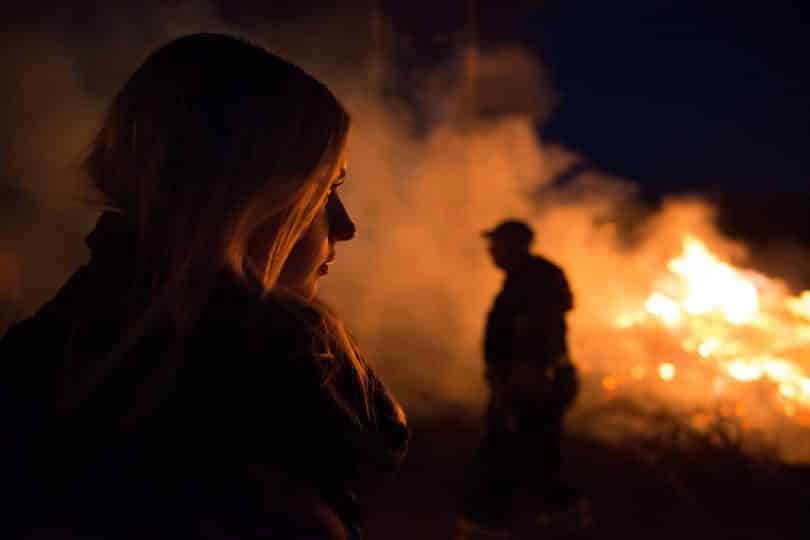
x: 741, y: 323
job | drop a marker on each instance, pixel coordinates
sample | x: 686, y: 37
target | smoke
x: 415, y: 284
x: 49, y: 120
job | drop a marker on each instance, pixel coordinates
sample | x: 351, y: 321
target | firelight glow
x: 742, y: 325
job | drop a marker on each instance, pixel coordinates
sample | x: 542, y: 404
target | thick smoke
x: 415, y: 284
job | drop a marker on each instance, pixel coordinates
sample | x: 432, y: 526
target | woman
x: 186, y: 383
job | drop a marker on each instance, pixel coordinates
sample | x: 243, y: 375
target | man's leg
x: 537, y: 456
x: 491, y: 497
x: 544, y: 495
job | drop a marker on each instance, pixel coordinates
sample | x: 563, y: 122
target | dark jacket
x: 240, y: 430
x: 526, y: 324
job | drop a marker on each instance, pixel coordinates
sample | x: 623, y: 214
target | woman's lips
x: 324, y: 268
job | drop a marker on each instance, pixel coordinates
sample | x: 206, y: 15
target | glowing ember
x: 610, y: 383
x: 800, y: 306
x: 742, y: 326
x: 666, y: 371
x: 743, y: 371
x: 666, y: 308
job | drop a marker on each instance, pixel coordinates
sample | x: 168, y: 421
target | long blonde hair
x: 220, y: 154
x: 211, y: 141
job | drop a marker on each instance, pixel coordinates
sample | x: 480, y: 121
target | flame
x: 713, y: 286
x: 740, y: 324
x: 667, y: 371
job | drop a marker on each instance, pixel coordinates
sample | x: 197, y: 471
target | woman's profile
x: 186, y: 383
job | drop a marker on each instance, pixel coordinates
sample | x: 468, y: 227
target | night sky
x: 683, y: 95
x: 675, y: 95
x: 693, y: 97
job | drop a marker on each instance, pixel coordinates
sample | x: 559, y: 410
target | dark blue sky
x: 686, y: 95
x: 682, y: 95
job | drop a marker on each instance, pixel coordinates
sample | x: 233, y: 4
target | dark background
x: 699, y: 97
x: 684, y: 95
x: 680, y: 97
x: 676, y: 95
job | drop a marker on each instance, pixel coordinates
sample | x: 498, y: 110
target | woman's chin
x: 309, y: 290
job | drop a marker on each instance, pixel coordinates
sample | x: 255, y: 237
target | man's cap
x: 511, y: 229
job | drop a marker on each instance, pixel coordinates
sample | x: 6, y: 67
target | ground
x: 717, y: 495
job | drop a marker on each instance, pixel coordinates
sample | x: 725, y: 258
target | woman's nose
x: 341, y: 226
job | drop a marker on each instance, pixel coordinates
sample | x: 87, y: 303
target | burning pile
x: 732, y: 334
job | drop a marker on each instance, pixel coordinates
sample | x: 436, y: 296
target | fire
x: 667, y: 371
x: 713, y: 286
x: 739, y: 325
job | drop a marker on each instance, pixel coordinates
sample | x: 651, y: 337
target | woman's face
x: 315, y: 251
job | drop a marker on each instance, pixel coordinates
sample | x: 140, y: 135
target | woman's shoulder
x: 276, y: 325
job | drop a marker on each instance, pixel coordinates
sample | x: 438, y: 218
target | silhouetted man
x: 532, y: 382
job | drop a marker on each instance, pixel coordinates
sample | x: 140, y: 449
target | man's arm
x: 561, y: 286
